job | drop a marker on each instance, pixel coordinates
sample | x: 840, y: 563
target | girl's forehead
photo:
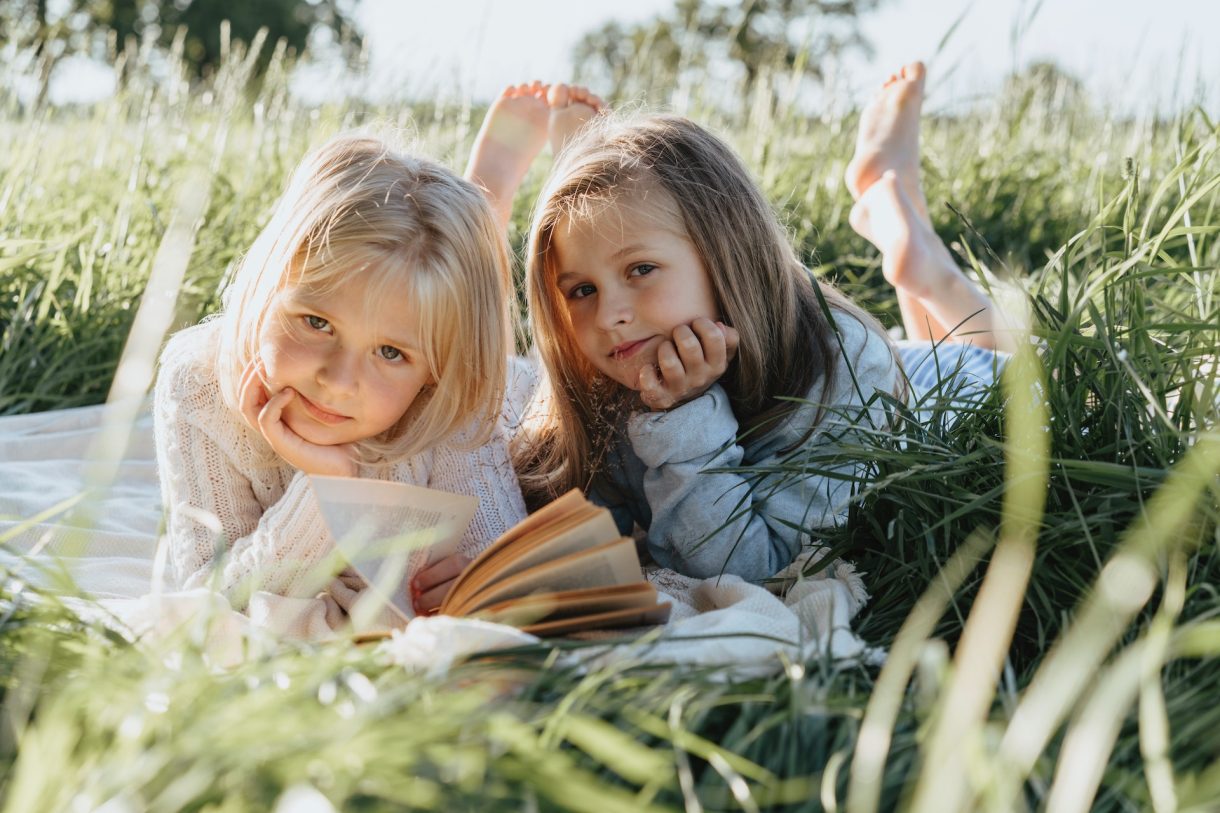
x: 647, y: 207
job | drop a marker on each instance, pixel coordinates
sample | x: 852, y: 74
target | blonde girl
x: 364, y: 334
x: 678, y: 331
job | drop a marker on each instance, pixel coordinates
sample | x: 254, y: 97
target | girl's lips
x: 627, y: 349
x: 323, y: 415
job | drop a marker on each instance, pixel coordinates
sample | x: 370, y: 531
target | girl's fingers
x: 253, y: 394
x: 652, y: 391
x: 271, y: 413
x: 690, y: 348
x: 673, y: 373
x: 731, y: 339
x: 439, y: 572
x: 286, y: 443
x: 430, y: 600
x: 712, y: 343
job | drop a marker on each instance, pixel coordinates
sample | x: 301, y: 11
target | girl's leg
x: 510, y: 139
x: 936, y: 299
x: 920, y: 267
x: 916, y: 320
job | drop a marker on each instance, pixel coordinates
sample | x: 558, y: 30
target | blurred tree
x: 755, y: 36
x: 1045, y: 84
x: 51, y: 29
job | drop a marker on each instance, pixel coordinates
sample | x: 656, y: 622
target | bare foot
x: 571, y: 107
x: 889, y: 138
x: 913, y: 258
x: 938, y: 296
x: 510, y: 139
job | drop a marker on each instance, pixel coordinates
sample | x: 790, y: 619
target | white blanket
x: 94, y: 537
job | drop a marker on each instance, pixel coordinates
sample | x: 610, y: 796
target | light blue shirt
x: 677, y: 473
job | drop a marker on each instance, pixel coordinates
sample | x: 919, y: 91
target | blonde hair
x: 356, y: 206
x: 761, y: 288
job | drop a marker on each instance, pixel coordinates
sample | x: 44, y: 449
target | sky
x: 1126, y: 51
x: 1132, y: 55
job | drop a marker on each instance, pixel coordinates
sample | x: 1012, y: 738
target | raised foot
x: 571, y: 107
x: 511, y: 137
x: 888, y: 139
x: 913, y: 258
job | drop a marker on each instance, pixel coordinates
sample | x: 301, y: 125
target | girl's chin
x: 628, y: 375
x: 309, y: 431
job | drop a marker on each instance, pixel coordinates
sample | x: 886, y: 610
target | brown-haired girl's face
x: 629, y: 275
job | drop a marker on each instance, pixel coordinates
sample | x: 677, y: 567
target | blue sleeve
x: 716, y: 510
x: 705, y: 523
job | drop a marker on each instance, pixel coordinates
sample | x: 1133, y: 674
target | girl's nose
x: 339, y: 372
x: 613, y: 310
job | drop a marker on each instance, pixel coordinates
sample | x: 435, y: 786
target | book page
x: 606, y: 565
x: 557, y: 512
x: 573, y: 532
x: 631, y: 617
x: 537, y: 607
x: 552, y: 512
x: 389, y: 531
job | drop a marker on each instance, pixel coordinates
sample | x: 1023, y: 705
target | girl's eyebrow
x: 563, y: 278
x: 628, y: 249
x: 310, y: 303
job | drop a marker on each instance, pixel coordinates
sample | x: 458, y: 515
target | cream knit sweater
x: 241, y: 519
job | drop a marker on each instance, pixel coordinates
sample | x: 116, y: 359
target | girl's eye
x: 389, y: 353
x: 581, y: 291
x: 317, y: 322
x: 642, y: 270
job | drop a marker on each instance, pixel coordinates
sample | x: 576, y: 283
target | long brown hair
x: 781, y: 312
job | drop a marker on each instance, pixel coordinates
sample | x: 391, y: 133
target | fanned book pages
x: 565, y: 568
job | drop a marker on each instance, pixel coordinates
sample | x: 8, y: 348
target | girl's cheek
x: 278, y: 362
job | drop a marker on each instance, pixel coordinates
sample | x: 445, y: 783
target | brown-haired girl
x: 678, y: 330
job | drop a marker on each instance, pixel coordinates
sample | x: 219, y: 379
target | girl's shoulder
x: 192, y: 347
x: 187, y: 369
x: 866, y: 356
x: 865, y: 365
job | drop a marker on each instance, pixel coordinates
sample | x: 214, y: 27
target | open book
x: 563, y: 569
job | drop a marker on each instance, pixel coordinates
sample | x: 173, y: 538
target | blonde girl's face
x: 353, y: 361
x: 628, y: 276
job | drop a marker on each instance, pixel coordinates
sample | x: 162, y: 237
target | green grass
x: 1094, y: 658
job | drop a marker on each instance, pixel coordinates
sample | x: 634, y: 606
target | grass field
x: 1063, y: 536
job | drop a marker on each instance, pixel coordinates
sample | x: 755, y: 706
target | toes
x: 583, y: 95
x: 594, y: 101
x: 559, y: 95
x: 911, y: 73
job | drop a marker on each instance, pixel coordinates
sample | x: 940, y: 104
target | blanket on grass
x: 89, y: 531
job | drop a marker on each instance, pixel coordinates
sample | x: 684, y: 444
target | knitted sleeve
x: 485, y: 472
x: 236, y: 520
